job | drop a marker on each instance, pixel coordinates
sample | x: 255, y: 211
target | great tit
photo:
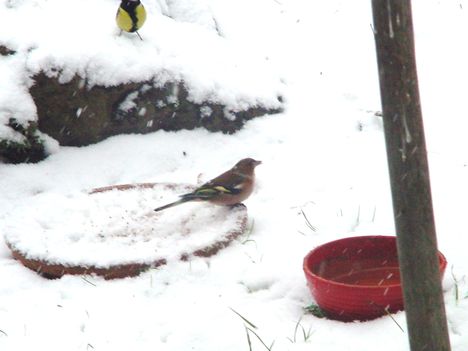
x: 131, y: 15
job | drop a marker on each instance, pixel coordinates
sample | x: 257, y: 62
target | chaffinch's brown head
x: 246, y: 166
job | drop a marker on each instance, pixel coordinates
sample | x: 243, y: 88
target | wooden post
x: 409, y: 176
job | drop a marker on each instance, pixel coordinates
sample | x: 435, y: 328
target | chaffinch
x: 229, y: 188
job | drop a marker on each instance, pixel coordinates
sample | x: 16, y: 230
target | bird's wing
x: 229, y: 180
x: 206, y: 192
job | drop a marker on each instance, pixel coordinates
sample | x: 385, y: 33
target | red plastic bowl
x: 357, y: 278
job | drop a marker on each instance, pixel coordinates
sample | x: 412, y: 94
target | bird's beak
x: 258, y: 163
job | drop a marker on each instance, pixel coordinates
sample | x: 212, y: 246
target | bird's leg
x: 238, y: 205
x: 139, y: 36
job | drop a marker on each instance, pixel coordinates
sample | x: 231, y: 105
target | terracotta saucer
x: 113, y: 231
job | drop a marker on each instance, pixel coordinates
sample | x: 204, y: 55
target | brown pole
x: 409, y: 176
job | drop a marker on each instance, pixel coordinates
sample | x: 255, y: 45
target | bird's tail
x: 172, y: 204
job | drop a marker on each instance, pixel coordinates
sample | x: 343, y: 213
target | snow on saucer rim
x: 114, y: 232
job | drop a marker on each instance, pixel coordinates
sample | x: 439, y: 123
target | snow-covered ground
x: 324, y: 155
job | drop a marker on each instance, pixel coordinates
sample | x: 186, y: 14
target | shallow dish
x: 114, y: 232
